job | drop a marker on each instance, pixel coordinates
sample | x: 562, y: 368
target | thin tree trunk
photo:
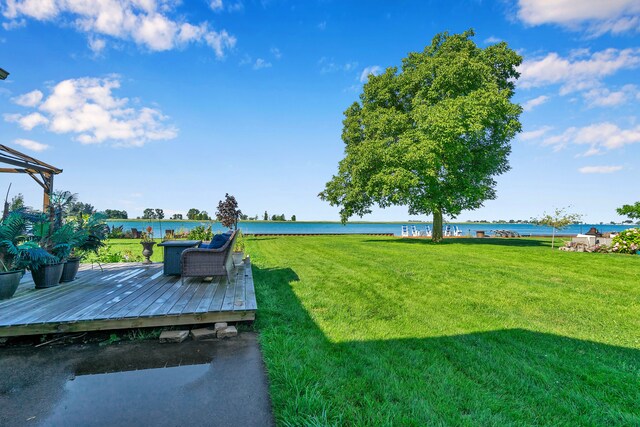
x: 553, y: 236
x: 436, y: 235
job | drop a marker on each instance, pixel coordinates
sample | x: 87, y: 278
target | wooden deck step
x: 126, y: 295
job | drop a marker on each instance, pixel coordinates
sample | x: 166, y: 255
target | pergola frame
x: 41, y: 172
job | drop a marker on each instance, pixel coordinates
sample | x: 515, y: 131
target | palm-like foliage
x: 30, y: 239
x: 17, y: 251
x: 58, y: 241
x: 61, y: 203
x: 95, y: 230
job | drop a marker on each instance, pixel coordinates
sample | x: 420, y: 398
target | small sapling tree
x: 228, y: 212
x: 558, y: 220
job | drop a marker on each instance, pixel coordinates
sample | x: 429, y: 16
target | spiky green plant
x: 90, y: 233
x: 17, y: 251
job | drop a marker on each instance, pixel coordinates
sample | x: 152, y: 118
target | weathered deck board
x: 125, y: 296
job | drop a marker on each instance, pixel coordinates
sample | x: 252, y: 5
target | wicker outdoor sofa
x: 200, y: 262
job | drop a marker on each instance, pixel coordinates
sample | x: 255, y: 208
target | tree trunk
x: 553, y: 237
x: 436, y: 235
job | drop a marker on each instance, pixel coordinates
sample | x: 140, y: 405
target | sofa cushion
x: 217, y: 242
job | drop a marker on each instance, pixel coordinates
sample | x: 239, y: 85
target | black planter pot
x: 47, y: 275
x: 9, y: 282
x: 70, y: 270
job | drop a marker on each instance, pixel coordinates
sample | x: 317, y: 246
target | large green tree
x: 432, y: 135
x: 631, y: 211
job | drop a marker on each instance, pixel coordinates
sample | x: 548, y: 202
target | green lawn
x: 133, y: 247
x: 363, y: 330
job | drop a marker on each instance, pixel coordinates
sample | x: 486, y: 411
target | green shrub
x: 201, y: 233
x: 627, y: 242
x: 239, y: 243
x: 105, y: 255
x: 116, y: 233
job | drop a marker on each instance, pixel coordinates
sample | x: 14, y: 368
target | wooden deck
x: 126, y: 295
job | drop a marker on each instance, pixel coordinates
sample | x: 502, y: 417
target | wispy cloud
x: 260, y: 64
x: 322, y: 25
x: 596, y: 17
x: 235, y: 7
x: 328, y: 65
x: 535, y: 102
x: 492, y: 40
x: 600, y: 169
x: 372, y: 69
x: 276, y: 52
x: 534, y: 134
x: 145, y: 23
x: 87, y: 109
x: 580, y: 71
x: 604, y: 97
x: 216, y: 5
x: 30, y: 99
x: 597, y: 137
x: 31, y: 145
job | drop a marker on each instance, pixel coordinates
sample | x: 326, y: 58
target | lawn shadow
x: 500, y: 377
x: 492, y: 241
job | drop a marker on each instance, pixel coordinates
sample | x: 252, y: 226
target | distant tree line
x: 281, y: 217
x: 116, y: 214
x: 149, y: 213
x: 194, y: 213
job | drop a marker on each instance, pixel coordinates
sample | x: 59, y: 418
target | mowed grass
x: 134, y: 247
x: 364, y: 330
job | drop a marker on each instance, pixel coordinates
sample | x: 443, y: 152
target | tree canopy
x: 228, y: 213
x: 630, y: 211
x: 432, y: 135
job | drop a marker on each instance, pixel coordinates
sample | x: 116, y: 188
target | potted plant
x: 238, y: 248
x: 147, y: 243
x: 57, y: 241
x: 90, y: 232
x: 17, y: 252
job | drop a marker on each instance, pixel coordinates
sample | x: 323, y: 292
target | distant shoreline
x: 200, y: 221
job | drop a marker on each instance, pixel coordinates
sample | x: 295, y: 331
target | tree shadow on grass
x: 500, y: 377
x: 491, y: 241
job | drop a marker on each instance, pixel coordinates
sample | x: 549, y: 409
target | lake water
x: 268, y: 227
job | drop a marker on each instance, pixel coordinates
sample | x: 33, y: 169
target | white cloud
x: 260, y: 64
x: 145, y: 22
x: 236, y: 7
x: 16, y: 23
x: 372, y: 69
x: 600, y: 169
x: 28, y: 121
x: 535, y: 102
x: 97, y: 44
x: 216, y: 5
x: 330, y: 66
x: 322, y: 25
x: 603, y: 97
x: 31, y: 145
x: 597, y: 17
x: 580, y: 71
x: 534, y: 134
x: 87, y: 108
x: 598, y: 137
x: 30, y: 99
x: 276, y: 52
x: 492, y: 40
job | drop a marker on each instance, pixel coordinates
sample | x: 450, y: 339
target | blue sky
x: 170, y: 105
